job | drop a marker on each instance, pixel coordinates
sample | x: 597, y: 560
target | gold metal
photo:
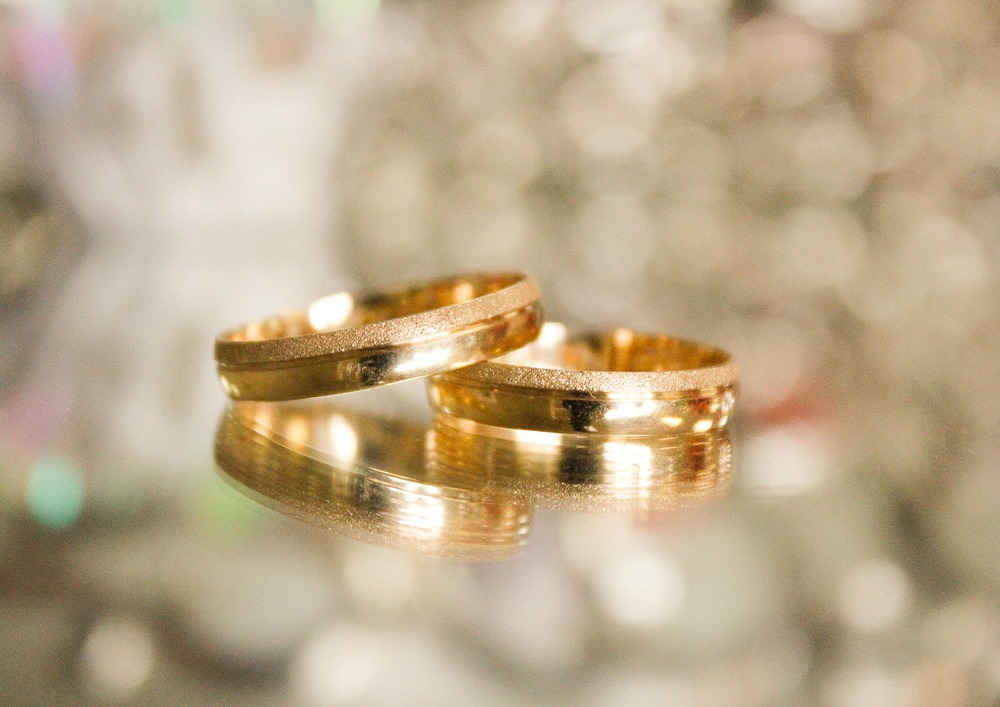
x: 455, y: 489
x: 582, y: 472
x: 351, y: 340
x: 368, y: 478
x: 612, y: 383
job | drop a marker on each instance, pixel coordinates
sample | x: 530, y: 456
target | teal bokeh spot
x: 55, y: 492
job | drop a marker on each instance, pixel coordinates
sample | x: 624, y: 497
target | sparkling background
x: 814, y: 184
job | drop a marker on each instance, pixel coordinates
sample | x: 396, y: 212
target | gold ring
x: 352, y: 340
x: 612, y: 383
x: 367, y: 478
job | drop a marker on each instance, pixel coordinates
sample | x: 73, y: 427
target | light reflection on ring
x: 454, y: 489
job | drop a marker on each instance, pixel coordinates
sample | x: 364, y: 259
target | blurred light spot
x: 785, y: 460
x: 483, y: 221
x: 534, y: 438
x: 695, y: 167
x: 597, y: 298
x: 522, y: 19
x: 336, y: 668
x: 784, y: 62
x: 423, y: 516
x: 630, y: 410
x: 629, y: 465
x: 614, y: 142
x: 249, y: 609
x: 262, y: 414
x: 727, y: 403
x: 44, y: 49
x: 502, y: 148
x: 864, y: 687
x: 613, y: 27
x: 635, y: 690
x: 694, y: 243
x: 890, y: 66
x: 874, y: 595
x: 614, y: 236
x: 36, y: 415
x: 297, y: 431
x: 773, y: 359
x: 343, y: 440
x: 380, y: 580
x: 943, y: 256
x: 599, y: 97
x: 707, y: 11
x: 425, y: 360
x: 463, y: 292
x: 393, y: 204
x: 819, y: 248
x: 703, y: 425
x: 961, y: 631
x: 224, y: 511
x: 834, y: 158
x: 118, y: 656
x: 553, y: 334
x: 330, y: 312
x: 55, y: 492
x: 347, y: 13
x: 830, y: 15
x: 640, y: 588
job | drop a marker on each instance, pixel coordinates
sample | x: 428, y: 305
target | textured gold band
x: 351, y: 341
x: 613, y: 383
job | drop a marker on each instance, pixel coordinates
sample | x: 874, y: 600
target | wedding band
x: 353, y: 340
x: 368, y: 478
x: 610, y: 383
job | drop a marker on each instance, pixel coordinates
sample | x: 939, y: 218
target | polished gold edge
x: 230, y: 351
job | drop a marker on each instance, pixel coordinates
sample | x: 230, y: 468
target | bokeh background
x: 814, y: 184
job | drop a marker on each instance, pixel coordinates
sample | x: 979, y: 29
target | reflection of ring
x: 367, y: 478
x: 582, y: 472
x: 615, y: 383
x: 351, y: 341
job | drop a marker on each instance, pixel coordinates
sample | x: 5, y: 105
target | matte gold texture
x: 367, y: 478
x: 611, y: 383
x: 352, y: 340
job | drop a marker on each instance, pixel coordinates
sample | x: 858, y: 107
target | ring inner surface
x: 618, y: 351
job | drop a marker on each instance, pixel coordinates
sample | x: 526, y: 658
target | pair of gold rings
x: 490, y: 361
